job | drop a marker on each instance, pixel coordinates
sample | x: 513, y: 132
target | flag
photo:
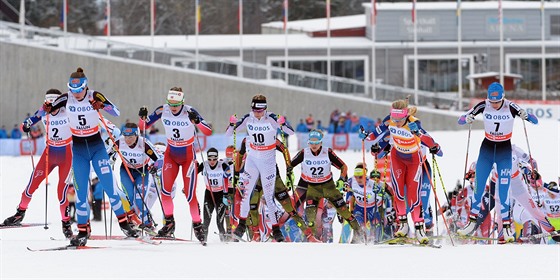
x: 154, y: 14
x: 198, y: 16
x: 413, y: 11
x: 373, y: 12
x: 285, y: 15
x: 63, y: 13
x: 107, y: 18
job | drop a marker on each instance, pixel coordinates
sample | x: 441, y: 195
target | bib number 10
x: 258, y: 138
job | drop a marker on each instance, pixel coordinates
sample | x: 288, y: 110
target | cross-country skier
x: 499, y: 114
x: 216, y: 174
x: 316, y: 176
x: 407, y: 135
x: 59, y: 153
x: 140, y: 157
x: 179, y: 121
x: 261, y: 127
x: 82, y: 105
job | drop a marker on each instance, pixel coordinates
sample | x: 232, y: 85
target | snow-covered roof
x: 320, y: 24
x: 295, y: 41
x: 493, y: 74
x: 478, y: 5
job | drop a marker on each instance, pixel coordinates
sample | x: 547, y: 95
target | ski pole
x: 47, y: 170
x: 466, y: 158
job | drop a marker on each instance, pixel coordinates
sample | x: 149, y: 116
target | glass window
x: 437, y: 75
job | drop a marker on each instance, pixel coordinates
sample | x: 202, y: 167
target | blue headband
x: 130, y: 131
x: 76, y: 85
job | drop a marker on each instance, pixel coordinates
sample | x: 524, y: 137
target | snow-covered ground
x: 182, y: 260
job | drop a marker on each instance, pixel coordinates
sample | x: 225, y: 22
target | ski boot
x: 421, y: 233
x: 168, y: 229
x: 470, y: 228
x: 403, y: 229
x: 81, y: 238
x: 199, y: 232
x: 255, y: 233
x: 507, y: 232
x: 15, y: 219
x: 67, y: 229
x: 240, y: 230
x: 127, y: 228
x: 133, y: 219
x: 277, y: 234
x: 310, y: 236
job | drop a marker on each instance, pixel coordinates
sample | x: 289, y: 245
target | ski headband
x: 174, y: 95
x: 399, y: 114
x: 130, y: 131
x: 76, y: 85
x: 258, y: 105
x: 50, y: 98
x: 359, y: 172
x: 315, y: 134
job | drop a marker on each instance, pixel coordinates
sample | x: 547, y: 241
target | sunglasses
x: 174, y: 104
x: 258, y: 110
x: 495, y: 102
x: 398, y: 120
x: 212, y: 159
x: 314, y: 142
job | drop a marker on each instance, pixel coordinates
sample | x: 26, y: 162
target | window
x: 438, y: 75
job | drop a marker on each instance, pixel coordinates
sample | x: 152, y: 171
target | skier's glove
x: 290, y: 179
x: 47, y: 107
x: 375, y: 148
x: 194, y: 117
x: 341, y: 184
x: 363, y: 134
x: 413, y: 126
x: 143, y: 113
x: 523, y: 114
x: 232, y: 120
x: 96, y: 104
x: 435, y: 149
x: 470, y: 118
x: 26, y: 126
x: 225, y: 200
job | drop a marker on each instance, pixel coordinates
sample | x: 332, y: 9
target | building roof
x: 493, y: 74
x: 320, y: 24
x: 475, y: 5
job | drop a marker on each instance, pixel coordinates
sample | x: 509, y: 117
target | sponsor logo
x: 58, y: 122
x: 400, y: 132
x: 132, y: 154
x: 258, y: 128
x: 80, y: 109
x: 103, y: 162
x: 505, y: 172
x: 167, y: 166
x: 175, y: 123
x: 497, y: 117
x: 317, y: 162
x: 105, y: 170
x: 38, y: 173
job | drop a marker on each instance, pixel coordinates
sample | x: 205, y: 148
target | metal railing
x: 224, y: 66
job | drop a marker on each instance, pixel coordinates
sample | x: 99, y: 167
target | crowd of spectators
x: 15, y: 133
x: 340, y: 122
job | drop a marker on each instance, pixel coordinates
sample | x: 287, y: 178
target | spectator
x: 16, y: 133
x: 36, y: 132
x: 301, y: 127
x: 154, y: 130
x: 310, y: 122
x: 3, y: 132
x: 335, y: 115
x: 321, y: 127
